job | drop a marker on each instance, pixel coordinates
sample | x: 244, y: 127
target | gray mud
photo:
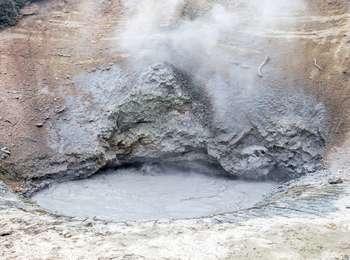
x: 150, y: 194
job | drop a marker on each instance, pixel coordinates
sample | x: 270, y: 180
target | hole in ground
x: 152, y: 192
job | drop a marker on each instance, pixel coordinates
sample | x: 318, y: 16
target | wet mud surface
x: 168, y: 193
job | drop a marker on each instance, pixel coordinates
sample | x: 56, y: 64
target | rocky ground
x: 59, y: 68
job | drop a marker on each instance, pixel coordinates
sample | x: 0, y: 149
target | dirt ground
x: 57, y: 40
x: 38, y: 58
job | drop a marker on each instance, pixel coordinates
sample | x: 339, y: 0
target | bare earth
x: 61, y: 39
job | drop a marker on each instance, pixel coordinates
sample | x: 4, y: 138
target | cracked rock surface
x: 160, y: 114
x: 272, y: 135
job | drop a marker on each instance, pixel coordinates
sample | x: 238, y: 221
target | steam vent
x: 174, y: 129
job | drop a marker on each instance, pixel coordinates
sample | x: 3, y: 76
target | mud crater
x: 160, y: 115
x: 152, y: 192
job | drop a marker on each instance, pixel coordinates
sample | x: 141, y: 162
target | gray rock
x: 161, y: 119
x: 162, y: 115
x: 272, y: 134
x: 280, y: 135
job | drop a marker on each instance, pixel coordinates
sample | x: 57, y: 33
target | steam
x: 203, y: 38
x: 159, y: 31
x: 171, y: 31
x: 188, y: 32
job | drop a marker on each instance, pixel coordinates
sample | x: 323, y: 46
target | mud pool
x: 139, y: 194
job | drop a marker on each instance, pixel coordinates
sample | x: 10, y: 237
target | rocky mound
x: 161, y: 115
x: 281, y: 135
